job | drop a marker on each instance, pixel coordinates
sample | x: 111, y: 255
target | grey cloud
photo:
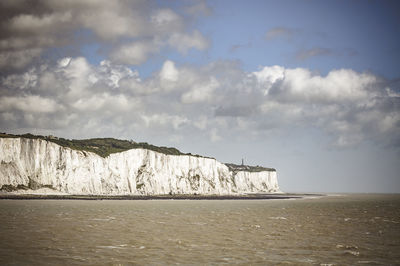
x: 234, y: 111
x: 321, y: 51
x: 306, y: 54
x: 199, y: 8
x: 236, y: 47
x: 28, y: 104
x: 137, y: 29
x: 280, y: 32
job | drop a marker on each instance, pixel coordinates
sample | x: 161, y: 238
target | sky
x: 311, y: 88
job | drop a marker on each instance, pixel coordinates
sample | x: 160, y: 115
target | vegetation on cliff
x: 100, y: 146
x: 107, y: 146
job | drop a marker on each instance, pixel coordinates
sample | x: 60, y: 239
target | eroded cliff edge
x: 38, y: 163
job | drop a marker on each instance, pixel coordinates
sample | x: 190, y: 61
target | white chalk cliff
x: 37, y: 163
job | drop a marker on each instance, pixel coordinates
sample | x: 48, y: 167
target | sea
x: 351, y: 229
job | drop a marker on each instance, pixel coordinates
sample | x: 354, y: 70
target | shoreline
x: 157, y: 197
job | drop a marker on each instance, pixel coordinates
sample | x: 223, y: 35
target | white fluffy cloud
x: 347, y: 104
x: 214, y: 100
x: 169, y: 72
x: 134, y: 53
x: 302, y: 84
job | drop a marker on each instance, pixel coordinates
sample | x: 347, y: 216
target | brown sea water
x: 338, y: 230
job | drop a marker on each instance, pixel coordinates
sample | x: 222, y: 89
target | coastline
x: 255, y: 196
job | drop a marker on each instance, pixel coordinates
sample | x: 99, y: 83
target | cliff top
x: 106, y: 146
x: 101, y: 146
x: 236, y: 167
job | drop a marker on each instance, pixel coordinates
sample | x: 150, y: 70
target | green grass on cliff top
x: 100, y: 146
x: 106, y: 146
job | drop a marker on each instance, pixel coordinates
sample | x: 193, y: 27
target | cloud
x: 269, y: 76
x: 18, y: 59
x: 199, y: 8
x: 214, y: 100
x: 156, y: 120
x: 166, y: 20
x: 279, y: 32
x: 301, y: 84
x: 306, y: 54
x: 236, y: 47
x: 321, y: 51
x: 169, y: 72
x: 134, y: 53
x: 112, y: 74
x: 28, y: 104
x: 234, y: 111
x: 130, y: 31
x: 201, y: 92
x: 183, y: 41
x: 214, y: 137
x: 348, y: 105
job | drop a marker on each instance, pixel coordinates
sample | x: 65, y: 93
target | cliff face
x: 36, y: 163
